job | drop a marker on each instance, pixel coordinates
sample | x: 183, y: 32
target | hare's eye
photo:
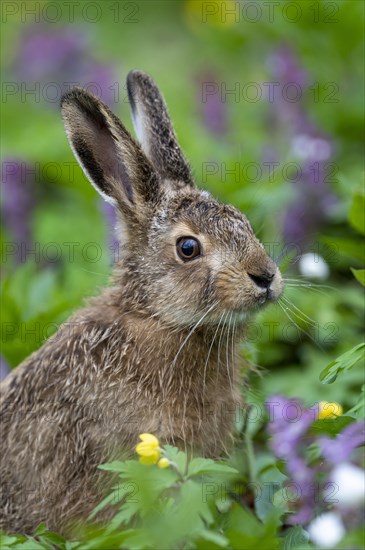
x: 188, y: 248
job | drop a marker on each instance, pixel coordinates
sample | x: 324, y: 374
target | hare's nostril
x: 263, y: 281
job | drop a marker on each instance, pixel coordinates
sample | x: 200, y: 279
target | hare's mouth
x: 268, y: 289
x: 269, y: 295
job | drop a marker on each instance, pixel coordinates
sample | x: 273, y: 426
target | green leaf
x: 46, y: 543
x: 216, y: 540
x: 359, y: 275
x: 40, y: 291
x: 31, y: 544
x: 280, y: 500
x: 357, y: 212
x: 203, y: 466
x: 271, y: 480
x: 245, y: 531
x: 358, y: 411
x: 244, y: 520
x: 264, y: 506
x: 42, y: 528
x: 54, y: 538
x: 102, y: 541
x: 343, y: 246
x: 176, y: 456
x: 110, y: 499
x: 342, y: 363
x: 330, y: 426
x: 9, y: 540
x: 353, y: 539
x: 115, y: 466
x: 296, y: 539
x: 124, y: 516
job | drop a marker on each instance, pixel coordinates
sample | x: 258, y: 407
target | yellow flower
x: 221, y: 13
x: 149, y: 449
x: 329, y: 410
x: 163, y: 463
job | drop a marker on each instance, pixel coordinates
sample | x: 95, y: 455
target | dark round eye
x: 188, y: 248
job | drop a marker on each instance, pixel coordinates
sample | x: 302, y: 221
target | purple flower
x: 55, y: 61
x: 289, y: 423
x: 302, y: 486
x: 342, y: 446
x: 18, y: 181
x: 213, y: 110
x: 43, y: 54
x: 302, y: 475
x: 4, y: 368
x: 288, y: 426
x: 303, y: 515
x: 284, y: 66
x: 289, y: 429
x: 311, y: 150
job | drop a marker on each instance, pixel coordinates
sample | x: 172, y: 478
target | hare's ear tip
x: 139, y: 84
x: 77, y: 95
x: 135, y: 73
x: 137, y: 76
x: 71, y: 95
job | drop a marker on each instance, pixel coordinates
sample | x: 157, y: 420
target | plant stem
x: 250, y: 457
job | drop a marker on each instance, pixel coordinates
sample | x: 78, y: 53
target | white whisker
x: 299, y: 327
x: 220, y: 341
x: 210, y: 350
x: 303, y: 282
x: 233, y: 343
x: 191, y: 332
x: 301, y: 315
x: 227, y: 351
x: 306, y: 287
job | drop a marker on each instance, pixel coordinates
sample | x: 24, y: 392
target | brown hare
x: 156, y: 350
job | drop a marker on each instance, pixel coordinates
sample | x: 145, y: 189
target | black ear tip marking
x: 74, y: 95
x: 136, y: 78
x: 136, y: 75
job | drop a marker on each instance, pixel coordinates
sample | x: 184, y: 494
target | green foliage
x: 293, y: 351
x: 357, y: 213
x: 191, y: 507
x: 359, y: 275
x: 343, y: 363
x: 197, y: 503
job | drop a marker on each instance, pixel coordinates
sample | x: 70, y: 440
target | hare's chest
x: 199, y: 415
x: 204, y: 425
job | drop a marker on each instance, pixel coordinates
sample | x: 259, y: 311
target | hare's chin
x: 239, y: 317
x: 230, y: 317
x: 269, y: 296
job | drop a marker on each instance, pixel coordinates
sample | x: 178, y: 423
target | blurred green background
x: 267, y: 101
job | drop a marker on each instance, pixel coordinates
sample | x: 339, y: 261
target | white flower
x: 350, y: 485
x: 314, y: 266
x: 307, y: 147
x: 326, y: 530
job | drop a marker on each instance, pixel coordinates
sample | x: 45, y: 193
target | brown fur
x: 155, y: 352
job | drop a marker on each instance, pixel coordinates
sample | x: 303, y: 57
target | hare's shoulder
x: 70, y: 360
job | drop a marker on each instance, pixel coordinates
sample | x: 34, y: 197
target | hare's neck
x: 193, y: 359
x: 173, y: 357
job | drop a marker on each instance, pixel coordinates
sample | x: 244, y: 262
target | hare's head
x: 188, y: 258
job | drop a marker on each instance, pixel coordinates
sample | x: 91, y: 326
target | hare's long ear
x: 111, y: 159
x: 154, y: 129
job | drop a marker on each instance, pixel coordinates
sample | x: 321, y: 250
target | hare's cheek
x: 229, y: 289
x: 178, y: 294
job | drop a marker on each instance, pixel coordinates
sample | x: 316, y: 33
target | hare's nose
x: 263, y: 281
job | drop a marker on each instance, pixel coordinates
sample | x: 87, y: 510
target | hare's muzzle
x: 269, y: 284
